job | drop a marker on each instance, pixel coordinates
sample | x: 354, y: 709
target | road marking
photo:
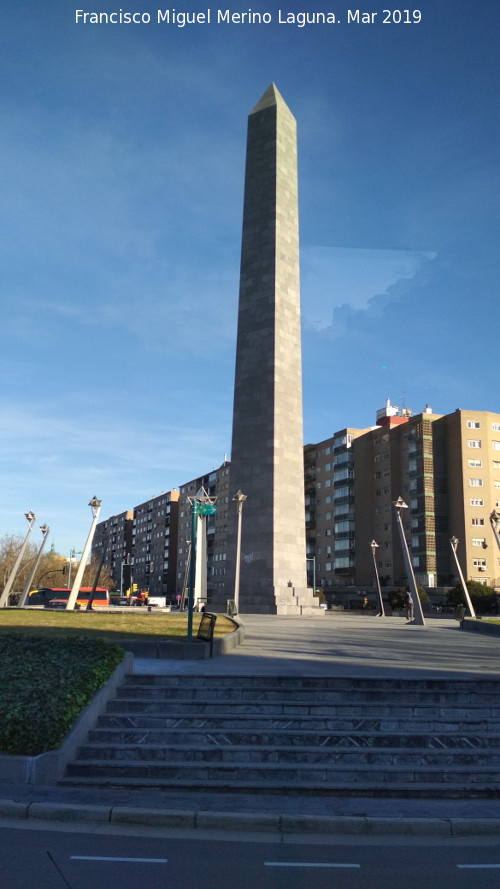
x: 306, y: 864
x: 105, y: 858
x: 477, y: 866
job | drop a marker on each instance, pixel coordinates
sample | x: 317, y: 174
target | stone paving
x: 340, y: 644
x: 337, y: 644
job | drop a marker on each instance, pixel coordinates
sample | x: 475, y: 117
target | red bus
x: 58, y: 597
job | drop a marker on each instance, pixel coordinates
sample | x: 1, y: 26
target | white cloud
x: 333, y: 277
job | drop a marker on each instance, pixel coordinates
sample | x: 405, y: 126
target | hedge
x: 45, y: 683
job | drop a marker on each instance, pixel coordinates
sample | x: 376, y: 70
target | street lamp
x: 95, y: 506
x: 45, y: 531
x: 374, y: 546
x: 454, y: 546
x: 72, y: 554
x: 30, y: 518
x: 201, y: 505
x: 239, y: 498
x: 399, y: 505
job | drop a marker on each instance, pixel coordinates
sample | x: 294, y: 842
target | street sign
x: 206, y: 508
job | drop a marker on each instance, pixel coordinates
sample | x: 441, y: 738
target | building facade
x: 445, y: 468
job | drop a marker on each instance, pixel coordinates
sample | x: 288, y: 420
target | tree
x: 52, y: 570
x: 483, y: 597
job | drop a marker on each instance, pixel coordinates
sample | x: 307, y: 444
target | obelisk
x: 267, y: 445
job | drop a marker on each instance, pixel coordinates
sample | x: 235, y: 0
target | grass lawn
x: 104, y: 624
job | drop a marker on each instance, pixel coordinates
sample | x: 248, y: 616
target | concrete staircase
x: 356, y: 737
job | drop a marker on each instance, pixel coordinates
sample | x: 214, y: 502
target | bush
x: 483, y: 597
x: 45, y: 685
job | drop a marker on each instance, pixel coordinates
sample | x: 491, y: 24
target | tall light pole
x: 30, y: 518
x: 239, y: 498
x: 454, y: 546
x: 374, y: 546
x: 95, y: 506
x: 45, y: 531
x: 201, y: 505
x: 399, y: 505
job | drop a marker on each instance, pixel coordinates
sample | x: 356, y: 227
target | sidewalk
x: 343, y: 644
x: 336, y: 644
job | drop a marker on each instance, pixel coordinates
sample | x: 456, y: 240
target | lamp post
x: 95, y: 506
x: 374, y: 546
x: 399, y: 505
x: 454, y: 546
x: 30, y: 518
x: 201, y: 505
x: 72, y: 555
x: 45, y: 531
x: 239, y: 498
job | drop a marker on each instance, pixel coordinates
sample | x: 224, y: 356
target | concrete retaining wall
x: 481, y: 626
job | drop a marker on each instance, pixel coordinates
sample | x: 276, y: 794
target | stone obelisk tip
x: 271, y: 97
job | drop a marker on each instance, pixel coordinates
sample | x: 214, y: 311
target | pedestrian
x: 408, y: 604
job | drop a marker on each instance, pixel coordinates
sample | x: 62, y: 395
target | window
x: 473, y: 443
x: 476, y: 501
x: 476, y: 482
x: 473, y: 424
x: 495, y: 427
x: 477, y: 541
x: 497, y: 483
x: 475, y: 463
x: 479, y: 563
x: 495, y: 445
x: 477, y: 521
x: 496, y: 464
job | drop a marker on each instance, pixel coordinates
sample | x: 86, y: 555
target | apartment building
x: 472, y: 458
x: 141, y: 545
x: 446, y: 469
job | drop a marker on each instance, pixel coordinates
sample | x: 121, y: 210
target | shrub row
x: 45, y: 683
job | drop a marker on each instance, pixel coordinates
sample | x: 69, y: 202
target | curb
x: 334, y: 825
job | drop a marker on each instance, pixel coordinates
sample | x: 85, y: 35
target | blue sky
x: 122, y: 151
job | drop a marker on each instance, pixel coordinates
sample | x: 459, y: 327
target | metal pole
x: 418, y: 617
x: 96, y: 578
x: 30, y: 518
x: 240, y: 499
x: 95, y: 505
x: 374, y: 546
x: 45, y: 531
x: 454, y: 545
x: 192, y: 567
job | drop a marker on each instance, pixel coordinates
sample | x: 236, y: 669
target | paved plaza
x: 340, y: 644
x: 336, y: 644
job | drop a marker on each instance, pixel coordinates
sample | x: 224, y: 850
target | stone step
x: 427, y: 738
x: 389, y: 790
x: 297, y: 739
x: 284, y: 708
x: 258, y: 776
x: 312, y: 682
x: 189, y: 755
x: 228, y: 694
x: 225, y: 722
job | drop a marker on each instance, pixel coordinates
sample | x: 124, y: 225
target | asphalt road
x: 52, y: 859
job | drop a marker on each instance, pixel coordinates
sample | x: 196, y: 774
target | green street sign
x: 206, y: 508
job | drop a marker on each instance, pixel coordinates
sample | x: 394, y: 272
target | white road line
x: 105, y: 858
x: 477, y: 866
x: 306, y: 864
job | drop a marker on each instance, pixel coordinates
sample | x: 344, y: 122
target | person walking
x: 408, y: 604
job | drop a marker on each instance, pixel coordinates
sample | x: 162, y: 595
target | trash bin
x: 460, y: 613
